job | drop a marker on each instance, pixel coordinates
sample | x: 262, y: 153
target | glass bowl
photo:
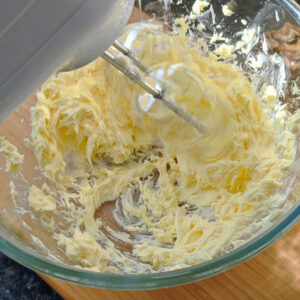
x: 19, y: 229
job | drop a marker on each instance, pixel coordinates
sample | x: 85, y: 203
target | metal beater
x: 140, y: 80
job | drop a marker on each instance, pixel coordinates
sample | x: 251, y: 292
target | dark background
x: 20, y: 283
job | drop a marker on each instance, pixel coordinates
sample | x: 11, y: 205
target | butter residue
x: 12, y: 189
x: 12, y: 156
x: 226, y: 51
x: 296, y: 91
x: 249, y: 36
x: 41, y: 199
x: 83, y: 249
x: 269, y: 95
x: 244, y: 22
x: 199, y: 6
x: 180, y: 198
x: 228, y: 9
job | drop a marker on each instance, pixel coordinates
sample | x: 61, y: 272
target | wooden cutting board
x: 273, y: 274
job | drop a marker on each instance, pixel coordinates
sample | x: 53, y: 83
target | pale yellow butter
x: 12, y: 156
x: 197, y: 194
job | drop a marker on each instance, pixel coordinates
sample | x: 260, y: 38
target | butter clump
x: 199, y: 5
x: 226, y: 51
x: 269, y: 95
x: 12, y: 156
x: 41, y: 199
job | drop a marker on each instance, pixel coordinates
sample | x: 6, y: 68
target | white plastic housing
x: 39, y: 36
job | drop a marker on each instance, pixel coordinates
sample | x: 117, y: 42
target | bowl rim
x: 153, y: 280
x: 163, y: 279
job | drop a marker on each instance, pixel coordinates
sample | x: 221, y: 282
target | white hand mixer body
x: 39, y: 37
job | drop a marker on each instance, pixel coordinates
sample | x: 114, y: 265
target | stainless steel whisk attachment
x: 140, y: 80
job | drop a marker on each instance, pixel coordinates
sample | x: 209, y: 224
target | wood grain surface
x: 271, y: 275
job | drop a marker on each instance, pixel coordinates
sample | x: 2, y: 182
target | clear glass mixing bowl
x: 17, y: 225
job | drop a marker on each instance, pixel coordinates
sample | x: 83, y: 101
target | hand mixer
x: 39, y: 37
